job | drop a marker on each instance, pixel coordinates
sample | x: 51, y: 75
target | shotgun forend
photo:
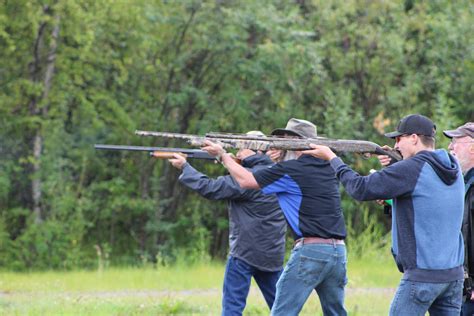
x: 159, y: 152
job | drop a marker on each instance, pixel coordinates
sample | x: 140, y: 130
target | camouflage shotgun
x: 264, y: 143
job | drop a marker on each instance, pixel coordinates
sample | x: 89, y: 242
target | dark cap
x: 297, y: 127
x: 414, y: 124
x: 465, y: 130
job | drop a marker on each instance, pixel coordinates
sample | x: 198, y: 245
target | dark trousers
x: 468, y: 308
x: 237, y: 278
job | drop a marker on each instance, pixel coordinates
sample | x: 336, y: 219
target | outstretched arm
x: 243, y: 177
x: 222, y: 188
x: 388, y: 183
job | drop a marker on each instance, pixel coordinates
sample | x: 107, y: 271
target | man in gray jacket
x: 462, y: 147
x: 256, y: 233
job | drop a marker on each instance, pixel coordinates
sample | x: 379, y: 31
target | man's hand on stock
x: 384, y: 159
x: 275, y: 154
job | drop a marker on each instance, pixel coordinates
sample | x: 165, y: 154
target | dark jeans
x: 468, y: 308
x: 237, y: 278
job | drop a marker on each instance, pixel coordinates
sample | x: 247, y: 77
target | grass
x: 178, y: 290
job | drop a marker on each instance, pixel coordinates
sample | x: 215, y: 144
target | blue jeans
x: 416, y: 298
x: 319, y: 267
x: 237, y: 279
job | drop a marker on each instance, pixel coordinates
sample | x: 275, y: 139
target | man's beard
x: 290, y: 155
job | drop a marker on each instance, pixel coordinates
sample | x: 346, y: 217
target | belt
x: 318, y: 240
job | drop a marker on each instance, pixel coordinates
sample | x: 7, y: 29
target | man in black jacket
x: 256, y: 233
x: 462, y: 147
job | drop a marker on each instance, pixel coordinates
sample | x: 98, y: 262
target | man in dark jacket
x: 256, y: 233
x: 427, y: 190
x: 462, y: 147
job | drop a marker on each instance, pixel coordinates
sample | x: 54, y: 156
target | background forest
x: 78, y: 72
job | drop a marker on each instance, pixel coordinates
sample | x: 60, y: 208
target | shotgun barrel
x: 159, y: 152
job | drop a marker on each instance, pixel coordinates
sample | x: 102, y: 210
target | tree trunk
x: 36, y: 71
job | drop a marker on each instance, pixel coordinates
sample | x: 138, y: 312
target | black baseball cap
x: 414, y: 124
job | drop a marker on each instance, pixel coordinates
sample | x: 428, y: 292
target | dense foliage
x: 75, y: 73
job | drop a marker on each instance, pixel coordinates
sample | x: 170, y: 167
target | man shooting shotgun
x: 308, y: 193
x: 256, y: 229
x: 265, y: 143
